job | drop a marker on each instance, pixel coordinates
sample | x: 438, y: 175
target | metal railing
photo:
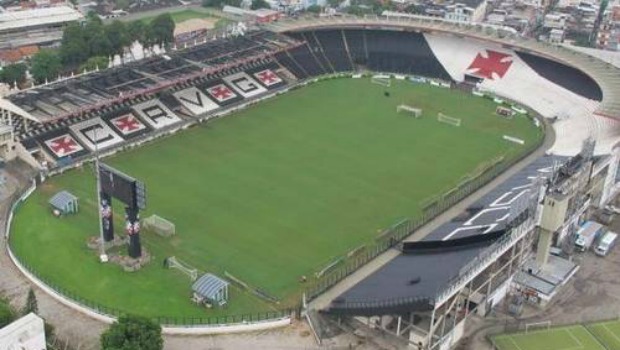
x: 396, y: 234
x: 22, y: 194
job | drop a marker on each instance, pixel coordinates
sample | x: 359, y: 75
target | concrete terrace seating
x: 317, y: 50
x: 402, y: 52
x: 306, y: 60
x: 356, y: 41
x: 568, y: 77
x: 287, y: 61
x: 333, y: 45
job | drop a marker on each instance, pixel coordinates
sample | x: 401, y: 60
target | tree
x: 162, y: 29
x: 116, y: 34
x: 149, y: 37
x: 334, y: 3
x: 314, y: 9
x: 132, y: 333
x: 259, y: 4
x: 93, y: 17
x: 31, y: 303
x: 45, y: 65
x: 357, y: 10
x: 211, y: 3
x: 97, y: 62
x: 122, y: 4
x: 6, y: 313
x: 136, y: 31
x: 221, y: 3
x: 13, y: 73
x: 73, y: 47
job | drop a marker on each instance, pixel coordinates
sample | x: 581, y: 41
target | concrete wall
x: 189, y: 330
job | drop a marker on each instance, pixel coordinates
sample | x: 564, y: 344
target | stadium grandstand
x: 39, y: 26
x: 473, y: 257
x: 510, y: 67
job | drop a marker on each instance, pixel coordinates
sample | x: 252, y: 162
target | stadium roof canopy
x: 606, y: 75
x: 38, y: 17
x: 7, y: 105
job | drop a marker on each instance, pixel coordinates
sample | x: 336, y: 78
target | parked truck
x: 587, y: 235
x: 607, y: 242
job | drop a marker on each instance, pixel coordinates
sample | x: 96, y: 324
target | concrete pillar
x: 544, y: 245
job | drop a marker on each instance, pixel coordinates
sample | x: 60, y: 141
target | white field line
x: 611, y: 332
x: 579, y: 345
x: 574, y: 338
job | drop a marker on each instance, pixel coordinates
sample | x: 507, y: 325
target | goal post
x: 381, y: 79
x: 416, y: 112
x: 448, y: 120
x: 173, y: 263
x: 537, y: 326
x: 159, y: 225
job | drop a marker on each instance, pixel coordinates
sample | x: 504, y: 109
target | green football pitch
x: 608, y: 333
x: 271, y: 193
x: 599, y: 336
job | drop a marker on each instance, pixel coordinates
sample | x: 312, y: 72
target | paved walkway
x: 80, y: 331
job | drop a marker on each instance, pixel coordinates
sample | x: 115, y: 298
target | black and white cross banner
x: 244, y: 84
x: 128, y: 125
x: 63, y: 145
x: 195, y: 101
x: 155, y: 114
x: 95, y: 133
x: 268, y: 78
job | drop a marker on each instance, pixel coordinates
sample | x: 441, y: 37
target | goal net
x: 383, y: 80
x: 448, y: 120
x: 159, y: 225
x: 416, y: 112
x: 174, y: 263
x: 537, y: 326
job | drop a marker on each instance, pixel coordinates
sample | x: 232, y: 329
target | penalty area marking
x: 513, y: 139
x: 578, y: 344
x: 611, y: 332
x: 515, y: 343
x: 574, y: 339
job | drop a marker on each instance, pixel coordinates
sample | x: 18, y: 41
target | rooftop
x: 412, y: 282
x: 37, y: 17
x: 209, y: 286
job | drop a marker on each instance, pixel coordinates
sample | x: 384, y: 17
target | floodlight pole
x: 102, y: 255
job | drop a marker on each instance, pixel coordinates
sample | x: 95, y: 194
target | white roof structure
x: 12, y: 108
x: 606, y: 75
x: 38, y: 17
x: 26, y: 333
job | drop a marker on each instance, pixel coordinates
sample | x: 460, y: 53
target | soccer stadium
x: 249, y: 180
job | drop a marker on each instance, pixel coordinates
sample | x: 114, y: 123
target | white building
x: 556, y: 36
x: 35, y: 27
x: 466, y: 11
x: 27, y: 333
x: 555, y: 21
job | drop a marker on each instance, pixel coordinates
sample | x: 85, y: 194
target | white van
x: 606, y: 244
